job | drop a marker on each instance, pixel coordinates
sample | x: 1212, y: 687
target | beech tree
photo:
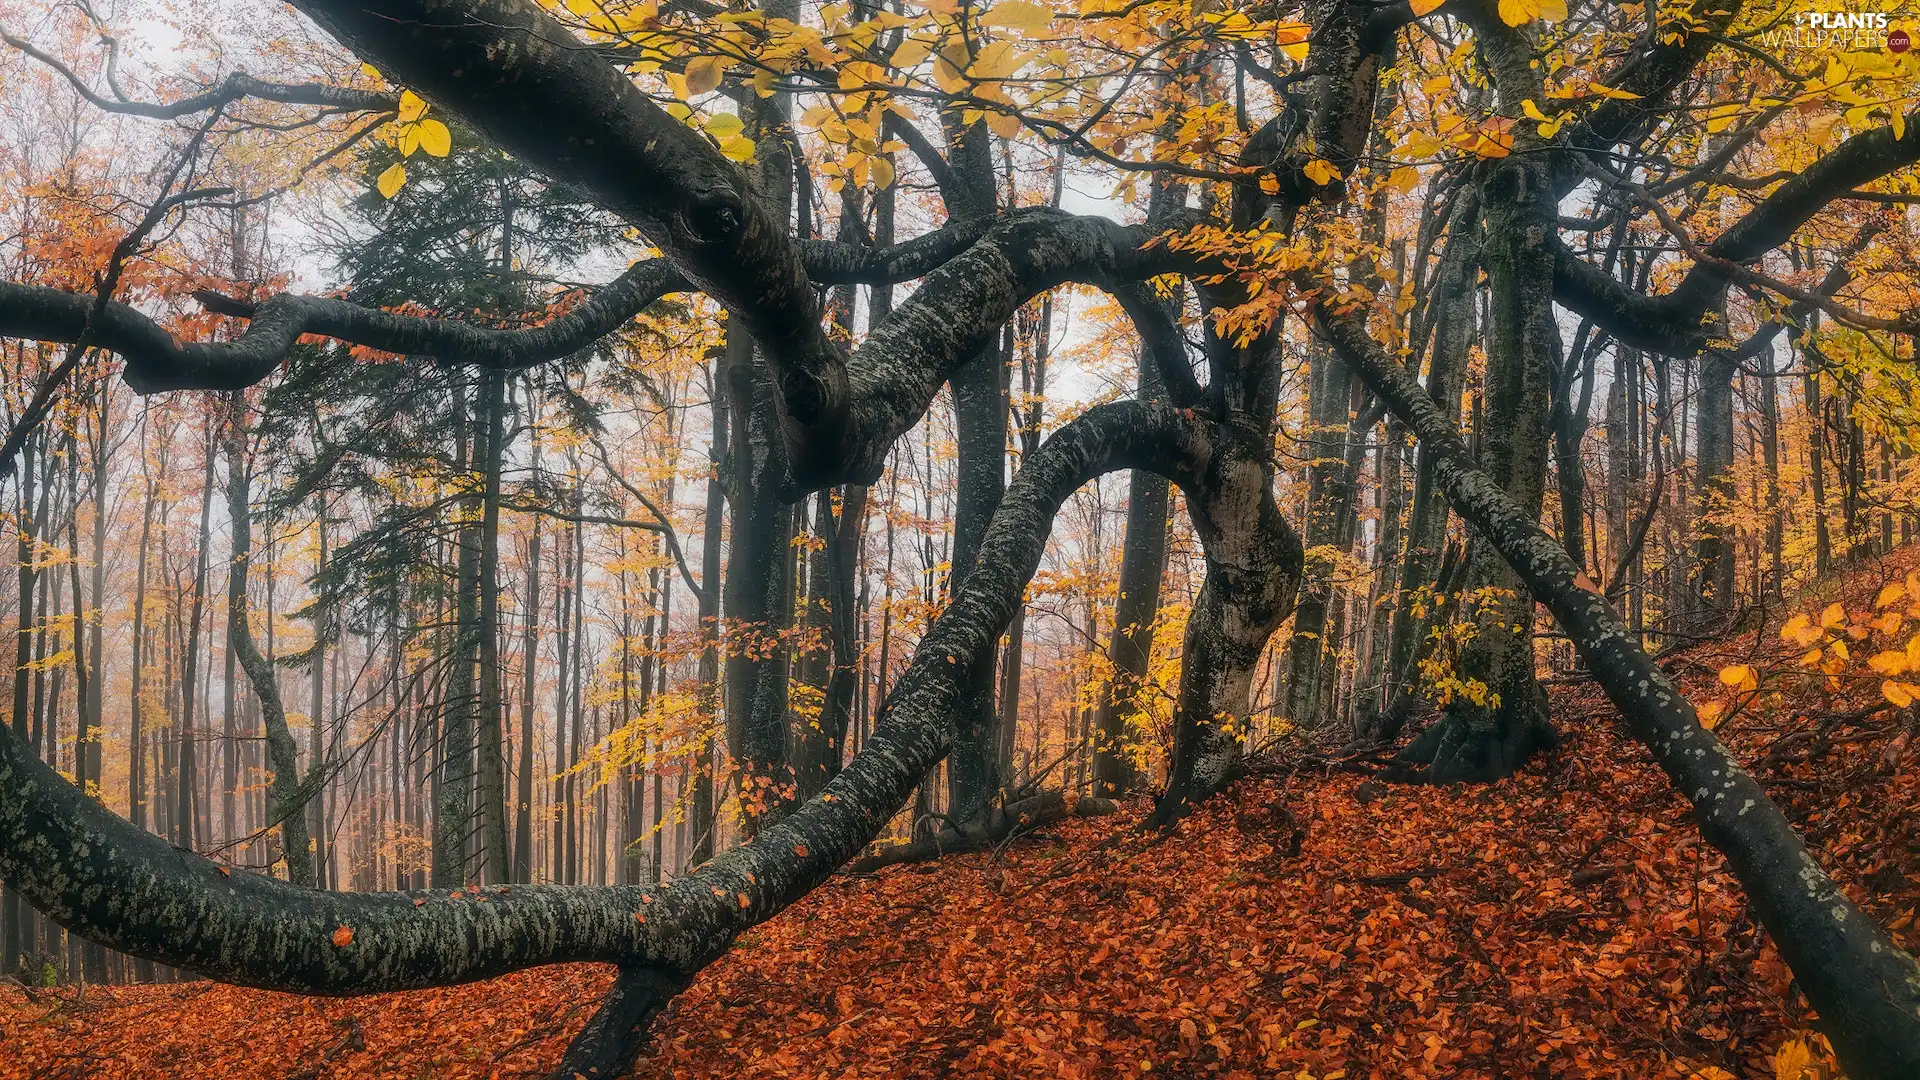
x: 1277, y: 142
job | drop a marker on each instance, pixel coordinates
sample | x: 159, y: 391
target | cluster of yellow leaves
x: 412, y: 131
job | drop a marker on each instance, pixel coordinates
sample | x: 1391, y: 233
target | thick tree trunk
x: 1495, y: 713
x: 1253, y: 563
x: 758, y: 597
x: 453, y: 796
x: 13, y: 915
x: 980, y: 416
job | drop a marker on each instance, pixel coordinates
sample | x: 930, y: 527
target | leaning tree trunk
x: 1866, y: 989
x: 92, y: 872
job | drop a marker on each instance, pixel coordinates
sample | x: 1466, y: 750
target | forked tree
x: 1276, y: 141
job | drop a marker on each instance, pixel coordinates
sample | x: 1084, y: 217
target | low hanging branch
x: 96, y: 874
x: 1866, y: 989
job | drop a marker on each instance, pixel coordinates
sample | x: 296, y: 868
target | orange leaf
x: 343, y: 937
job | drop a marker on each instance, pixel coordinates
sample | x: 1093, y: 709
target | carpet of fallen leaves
x: 1313, y: 924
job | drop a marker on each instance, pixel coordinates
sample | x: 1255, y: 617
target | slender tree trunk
x: 187, y: 803
x: 493, y: 773
x: 289, y: 796
x: 529, y: 664
x: 1143, y: 562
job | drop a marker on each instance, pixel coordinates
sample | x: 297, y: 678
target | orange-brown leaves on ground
x: 1567, y: 923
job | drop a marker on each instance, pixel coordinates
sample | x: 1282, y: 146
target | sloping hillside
x: 1313, y: 924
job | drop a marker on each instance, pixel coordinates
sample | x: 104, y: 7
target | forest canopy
x: 503, y: 482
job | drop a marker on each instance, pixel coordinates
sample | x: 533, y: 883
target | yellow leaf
x: 390, y: 181
x: 1608, y: 91
x: 434, y: 137
x: 371, y: 72
x: 1897, y: 692
x: 703, y: 75
x: 1269, y: 184
x: 1791, y: 1060
x: 881, y: 170
x: 1710, y: 714
x: 1423, y: 7
x: 1833, y: 616
x: 411, y: 107
x: 1889, y: 663
x: 1794, y: 627
x: 1739, y: 675
x: 1321, y: 172
x: 1018, y: 15
x: 738, y: 148
x: 1004, y: 124
x: 1519, y: 12
x: 1404, y: 179
x: 723, y: 125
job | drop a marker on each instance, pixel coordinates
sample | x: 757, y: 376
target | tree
x: 1273, y: 235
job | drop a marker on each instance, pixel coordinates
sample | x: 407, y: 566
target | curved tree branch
x: 157, y: 362
x: 235, y: 87
x: 99, y: 876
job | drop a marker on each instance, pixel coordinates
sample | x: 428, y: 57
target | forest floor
x: 1565, y: 923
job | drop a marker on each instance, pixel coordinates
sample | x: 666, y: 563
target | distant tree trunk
x: 563, y: 664
x: 1453, y: 336
x: 697, y: 775
x: 758, y: 600
x: 529, y: 664
x: 1328, y: 505
x: 288, y: 794
x: 1713, y: 582
x: 1816, y: 450
x: 1143, y: 562
x: 1770, y: 454
x: 13, y: 918
x: 1499, y: 717
x: 493, y: 773
x: 1620, y: 476
x: 187, y: 804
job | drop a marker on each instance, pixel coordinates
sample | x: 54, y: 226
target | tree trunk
x: 283, y: 782
x: 493, y: 770
x: 1495, y: 715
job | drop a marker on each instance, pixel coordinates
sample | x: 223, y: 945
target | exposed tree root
x: 614, y: 1034
x: 1026, y: 814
